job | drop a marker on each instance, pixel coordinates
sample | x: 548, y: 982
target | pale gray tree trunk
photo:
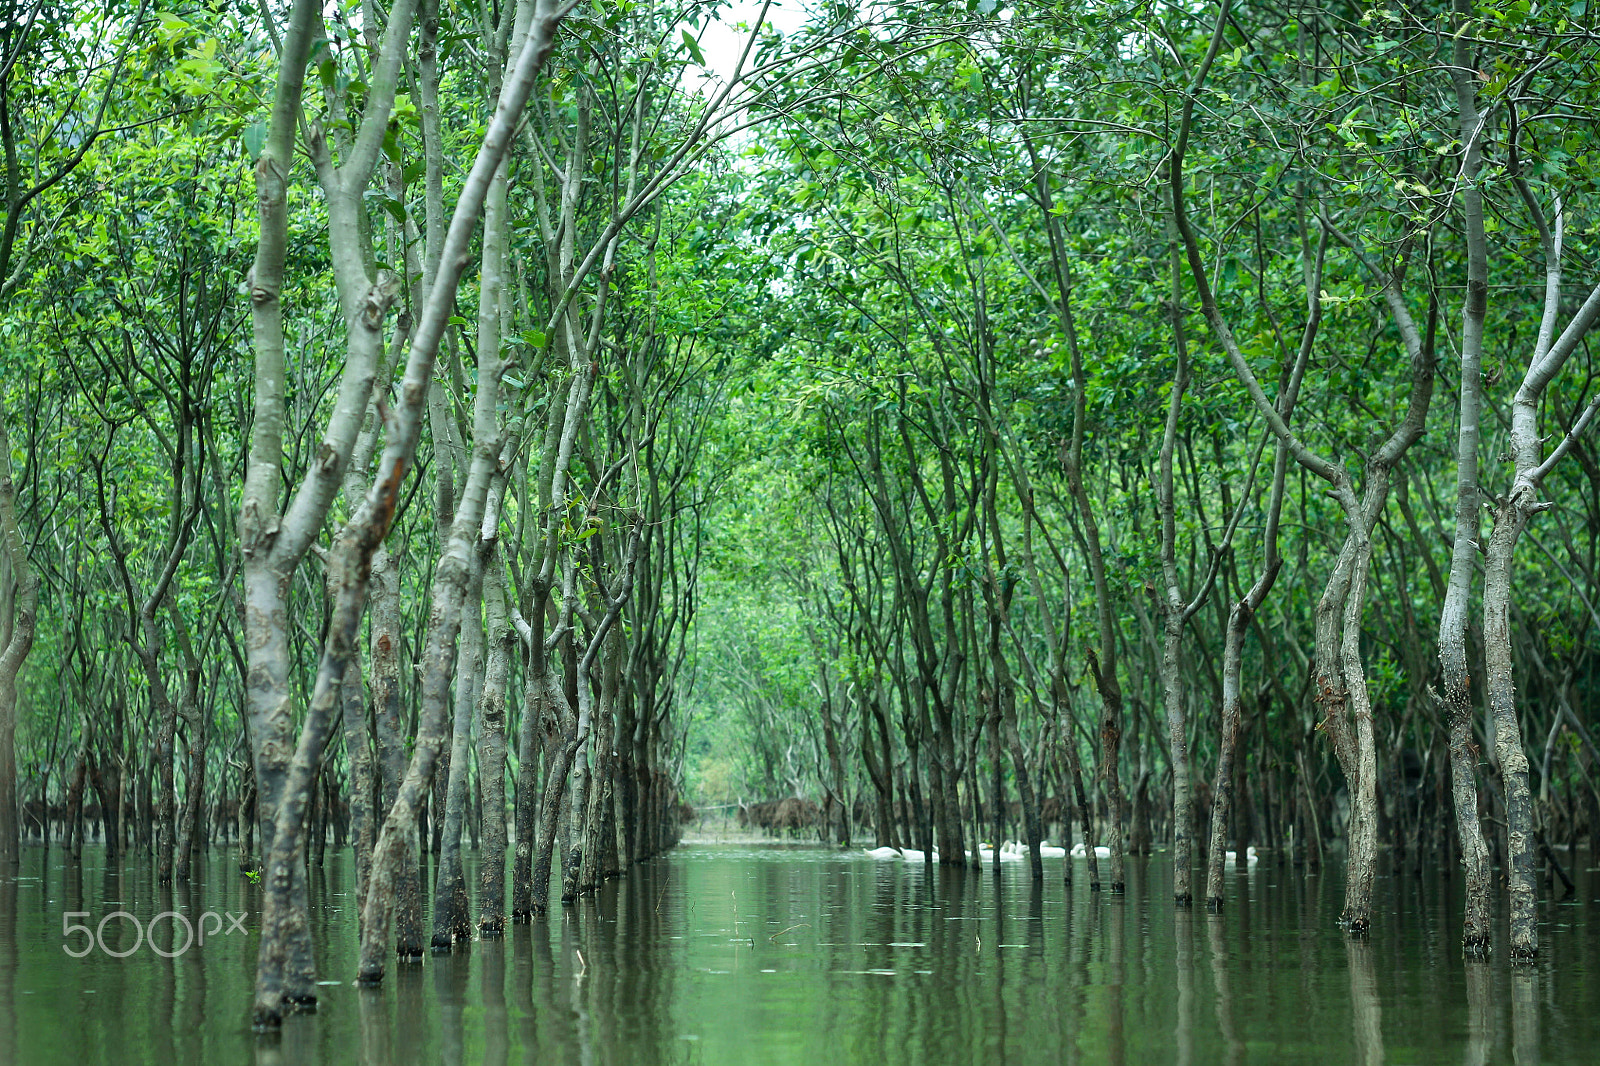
x: 1512, y: 513
x: 450, y: 916
x: 1455, y: 695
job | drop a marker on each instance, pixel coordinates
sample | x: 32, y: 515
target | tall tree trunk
x: 600, y: 789
x: 1455, y: 696
x: 1239, y: 618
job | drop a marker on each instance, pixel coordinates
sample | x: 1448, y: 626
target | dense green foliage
x: 901, y: 367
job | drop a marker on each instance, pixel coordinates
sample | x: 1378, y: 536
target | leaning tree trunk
x: 1232, y: 667
x: 450, y: 588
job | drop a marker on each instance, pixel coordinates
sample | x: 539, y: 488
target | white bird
x: 1100, y: 852
x: 1250, y: 856
x: 882, y: 853
x: 1048, y: 851
x: 913, y: 855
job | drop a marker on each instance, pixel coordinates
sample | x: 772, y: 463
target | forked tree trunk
x: 1340, y: 676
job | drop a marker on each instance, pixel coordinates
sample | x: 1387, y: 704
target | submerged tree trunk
x: 1455, y: 695
x: 450, y: 918
x: 190, y: 829
x: 527, y: 797
x: 1239, y: 619
x: 596, y: 821
x: 384, y: 611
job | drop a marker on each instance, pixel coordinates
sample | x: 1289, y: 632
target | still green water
x: 721, y: 954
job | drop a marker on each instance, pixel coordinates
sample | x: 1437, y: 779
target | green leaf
x: 171, y: 27
x: 694, y: 48
x: 255, y: 139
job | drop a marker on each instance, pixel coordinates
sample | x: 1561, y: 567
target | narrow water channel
x: 723, y: 954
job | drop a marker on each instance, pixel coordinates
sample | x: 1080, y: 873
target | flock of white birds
x: 1014, y: 851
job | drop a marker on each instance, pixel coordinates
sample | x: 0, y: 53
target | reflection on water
x: 1366, y: 1011
x: 725, y: 954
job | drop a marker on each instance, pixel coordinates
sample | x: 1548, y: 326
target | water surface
x: 727, y: 954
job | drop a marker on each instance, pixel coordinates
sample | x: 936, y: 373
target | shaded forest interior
x: 442, y: 426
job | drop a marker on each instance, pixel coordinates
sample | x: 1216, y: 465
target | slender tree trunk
x: 1455, y: 694
x: 450, y: 915
x: 492, y: 753
x: 1178, y: 746
x: 997, y: 792
x: 1361, y: 861
x: 600, y: 789
x: 199, y: 720
x: 358, y: 753
x: 526, y: 804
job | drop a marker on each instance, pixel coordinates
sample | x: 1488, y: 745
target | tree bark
x: 450, y: 916
x: 1455, y: 695
x: 492, y: 753
x: 23, y: 597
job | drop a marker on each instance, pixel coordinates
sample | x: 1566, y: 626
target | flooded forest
x: 1060, y: 465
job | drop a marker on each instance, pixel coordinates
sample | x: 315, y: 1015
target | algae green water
x: 725, y: 954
